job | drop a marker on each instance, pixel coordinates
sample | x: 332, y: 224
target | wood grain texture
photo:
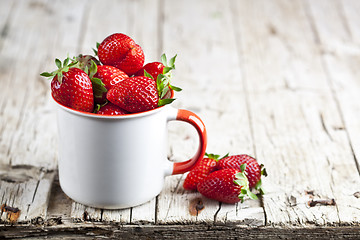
x: 276, y: 79
x: 295, y: 117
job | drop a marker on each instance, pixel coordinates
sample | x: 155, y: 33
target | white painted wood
x: 298, y: 128
x: 33, y: 38
x: 26, y: 189
x: 27, y: 124
x: 274, y: 79
x: 343, y: 76
x: 213, y: 89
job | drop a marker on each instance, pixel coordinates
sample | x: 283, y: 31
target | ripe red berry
x: 153, y: 68
x: 111, y: 109
x: 121, y: 51
x: 109, y: 76
x: 135, y: 94
x: 226, y: 185
x: 203, y: 168
x: 71, y: 86
x: 253, y: 170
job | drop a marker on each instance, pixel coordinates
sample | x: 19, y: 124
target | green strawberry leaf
x: 98, y: 106
x: 164, y: 92
x: 46, y: 74
x: 164, y: 60
x: 212, y: 156
x: 263, y: 170
x: 242, y: 180
x: 146, y: 74
x: 98, y: 87
x: 96, y: 49
x: 172, y: 62
x: 58, y: 63
x: 176, y: 89
x: 66, y: 61
x: 167, y: 70
x: 62, y: 67
x: 243, y: 167
x: 163, y: 80
x: 251, y: 195
x: 259, y: 187
x: 165, y: 101
x: 215, y: 156
x: 93, y: 69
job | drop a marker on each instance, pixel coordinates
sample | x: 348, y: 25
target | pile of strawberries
x: 119, y: 83
x: 116, y: 83
x: 228, y: 179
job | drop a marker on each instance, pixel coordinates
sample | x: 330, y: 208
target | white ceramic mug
x: 118, y: 162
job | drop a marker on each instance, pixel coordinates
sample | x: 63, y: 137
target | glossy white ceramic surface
x: 113, y: 162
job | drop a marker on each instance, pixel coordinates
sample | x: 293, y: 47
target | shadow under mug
x: 116, y: 162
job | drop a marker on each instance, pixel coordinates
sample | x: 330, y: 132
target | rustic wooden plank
x: 343, y: 76
x: 27, y: 120
x: 34, y: 36
x: 69, y: 230
x: 297, y: 126
x: 213, y: 89
x: 5, y: 14
x: 138, y: 19
x: 25, y: 189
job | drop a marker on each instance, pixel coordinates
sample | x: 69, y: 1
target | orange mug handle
x: 195, y: 121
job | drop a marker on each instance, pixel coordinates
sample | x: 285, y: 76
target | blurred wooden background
x: 279, y: 80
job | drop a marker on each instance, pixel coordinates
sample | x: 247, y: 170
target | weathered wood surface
x: 276, y: 79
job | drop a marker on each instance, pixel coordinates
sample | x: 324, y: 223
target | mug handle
x: 197, y: 123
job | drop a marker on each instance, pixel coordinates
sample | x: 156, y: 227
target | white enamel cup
x: 116, y: 162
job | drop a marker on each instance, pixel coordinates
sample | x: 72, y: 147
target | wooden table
x: 278, y: 80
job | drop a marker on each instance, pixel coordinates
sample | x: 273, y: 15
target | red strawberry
x: 135, y: 94
x: 153, y: 68
x: 110, y: 76
x: 111, y: 109
x: 203, y: 168
x: 121, y: 51
x: 71, y: 86
x: 226, y: 185
x: 253, y: 170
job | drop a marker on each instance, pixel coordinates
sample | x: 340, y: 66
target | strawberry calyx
x: 63, y: 67
x: 242, y: 180
x: 98, y: 106
x: 89, y: 66
x: 215, y: 156
x: 96, y: 49
x: 163, y: 80
x: 258, y: 185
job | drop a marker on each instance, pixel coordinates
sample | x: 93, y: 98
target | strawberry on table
x: 253, y: 170
x: 111, y: 109
x: 110, y: 76
x: 202, y: 169
x: 226, y: 185
x: 121, y: 51
x: 71, y: 86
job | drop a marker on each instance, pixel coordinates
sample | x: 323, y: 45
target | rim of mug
x: 108, y: 116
